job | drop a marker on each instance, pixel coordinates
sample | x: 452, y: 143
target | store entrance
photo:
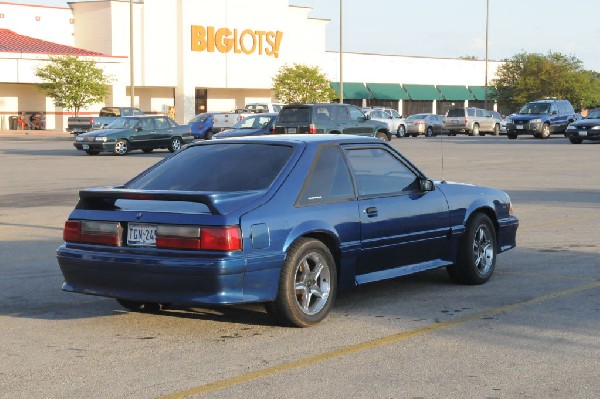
x: 201, y: 100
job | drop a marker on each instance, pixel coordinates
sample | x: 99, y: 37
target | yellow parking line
x: 364, y: 346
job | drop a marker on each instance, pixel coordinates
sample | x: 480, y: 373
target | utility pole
x: 487, y: 30
x: 341, y: 55
x: 131, y: 69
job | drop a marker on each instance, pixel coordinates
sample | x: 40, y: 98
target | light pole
x: 341, y: 56
x: 487, y: 29
x: 131, y: 69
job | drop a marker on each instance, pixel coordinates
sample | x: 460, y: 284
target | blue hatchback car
x: 284, y: 220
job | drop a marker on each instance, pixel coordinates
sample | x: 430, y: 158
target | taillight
x: 91, y: 120
x: 195, y: 237
x: 419, y: 123
x: 92, y: 232
x: 312, y: 129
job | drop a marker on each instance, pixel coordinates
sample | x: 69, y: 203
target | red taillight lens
x: 312, y: 129
x: 92, y: 232
x: 199, y: 238
x: 419, y: 123
x: 72, y: 231
x: 221, y: 238
x: 91, y: 120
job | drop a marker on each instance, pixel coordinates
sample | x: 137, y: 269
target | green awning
x: 422, y: 92
x: 387, y: 91
x: 352, y: 90
x: 479, y: 92
x: 455, y: 93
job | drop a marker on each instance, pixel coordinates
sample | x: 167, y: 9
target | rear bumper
x: 166, y: 278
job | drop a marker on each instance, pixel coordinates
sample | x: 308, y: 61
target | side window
x: 395, y: 113
x: 553, y: 108
x: 479, y: 113
x: 378, y: 172
x: 329, y: 179
x: 137, y: 112
x: 470, y: 112
x: 147, y: 124
x: 161, y: 123
x: 355, y: 113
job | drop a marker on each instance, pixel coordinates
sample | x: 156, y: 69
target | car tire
x: 511, y: 136
x: 475, y: 130
x: 429, y: 132
x: 574, y: 140
x: 545, y: 133
x: 208, y: 135
x: 121, y: 147
x: 175, y: 144
x: 92, y: 152
x: 415, y: 134
x: 401, y: 132
x: 477, y: 253
x: 307, y: 285
x: 381, y: 136
x: 148, y: 150
x: 136, y: 306
x: 496, y: 129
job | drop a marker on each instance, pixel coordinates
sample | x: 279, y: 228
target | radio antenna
x: 442, y: 153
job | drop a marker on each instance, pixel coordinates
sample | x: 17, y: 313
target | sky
x: 455, y: 28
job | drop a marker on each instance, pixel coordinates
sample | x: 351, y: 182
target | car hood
x: 103, y: 132
x: 527, y: 117
x: 586, y: 122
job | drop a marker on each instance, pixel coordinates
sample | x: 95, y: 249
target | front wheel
x: 401, y: 132
x: 477, y: 254
x: 545, y: 131
x: 307, y: 285
x: 175, y: 144
x: 121, y: 147
x: 496, y: 129
x: 381, y: 136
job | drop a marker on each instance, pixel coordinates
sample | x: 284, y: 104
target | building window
x: 38, y: 18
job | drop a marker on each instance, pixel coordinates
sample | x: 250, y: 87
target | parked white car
x: 391, y: 117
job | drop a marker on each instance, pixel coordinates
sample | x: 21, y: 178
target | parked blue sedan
x: 254, y: 125
x: 284, y: 220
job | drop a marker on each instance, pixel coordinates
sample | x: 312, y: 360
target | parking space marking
x: 368, y: 345
x: 549, y: 276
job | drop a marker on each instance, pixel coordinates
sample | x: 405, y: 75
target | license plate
x: 582, y: 133
x: 454, y: 120
x: 141, y: 234
x: 86, y: 147
x: 291, y: 130
x: 519, y: 126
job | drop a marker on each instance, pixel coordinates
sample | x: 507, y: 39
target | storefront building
x: 204, y: 55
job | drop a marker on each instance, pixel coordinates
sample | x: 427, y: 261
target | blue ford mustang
x: 284, y: 220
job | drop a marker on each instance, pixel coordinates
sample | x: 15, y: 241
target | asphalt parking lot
x: 531, y: 331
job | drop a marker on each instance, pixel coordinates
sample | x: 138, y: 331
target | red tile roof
x: 12, y: 42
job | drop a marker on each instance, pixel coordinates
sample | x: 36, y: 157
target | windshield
x: 200, y: 118
x: 535, y: 108
x: 253, y: 122
x: 225, y: 167
x: 124, y: 123
x: 593, y: 114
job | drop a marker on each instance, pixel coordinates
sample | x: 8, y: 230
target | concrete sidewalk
x: 34, y: 133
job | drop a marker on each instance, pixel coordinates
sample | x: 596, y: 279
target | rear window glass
x: 199, y: 118
x: 287, y: 115
x: 456, y: 112
x: 110, y: 112
x: 225, y: 167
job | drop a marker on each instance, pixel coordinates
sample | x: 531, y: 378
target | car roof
x: 298, y: 138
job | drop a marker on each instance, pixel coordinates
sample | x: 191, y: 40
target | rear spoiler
x: 105, y: 197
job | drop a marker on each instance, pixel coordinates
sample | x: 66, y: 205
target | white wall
x: 52, y: 24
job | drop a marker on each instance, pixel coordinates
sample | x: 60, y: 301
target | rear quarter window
x: 294, y: 115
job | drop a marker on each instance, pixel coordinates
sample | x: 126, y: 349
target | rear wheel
x: 307, y: 285
x: 208, y: 135
x: 121, y: 147
x: 401, y: 132
x: 475, y: 131
x: 574, y: 140
x: 497, y: 129
x: 175, y: 144
x: 429, y: 132
x: 477, y: 253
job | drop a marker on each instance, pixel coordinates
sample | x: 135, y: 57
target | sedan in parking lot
x: 254, y: 125
x: 287, y: 220
x: 587, y: 128
x: 129, y: 133
x: 391, y: 117
x: 425, y: 124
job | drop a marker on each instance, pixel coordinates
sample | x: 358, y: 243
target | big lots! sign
x: 246, y: 41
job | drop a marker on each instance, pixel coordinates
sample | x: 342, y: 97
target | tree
x: 73, y: 83
x: 531, y: 76
x: 302, y: 84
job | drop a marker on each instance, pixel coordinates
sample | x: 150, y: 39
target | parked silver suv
x: 473, y: 121
x: 391, y: 117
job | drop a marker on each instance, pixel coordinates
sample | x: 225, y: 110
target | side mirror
x: 138, y: 129
x: 367, y: 116
x: 554, y: 112
x: 426, y: 184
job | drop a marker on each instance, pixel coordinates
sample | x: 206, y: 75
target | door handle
x: 371, y: 211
